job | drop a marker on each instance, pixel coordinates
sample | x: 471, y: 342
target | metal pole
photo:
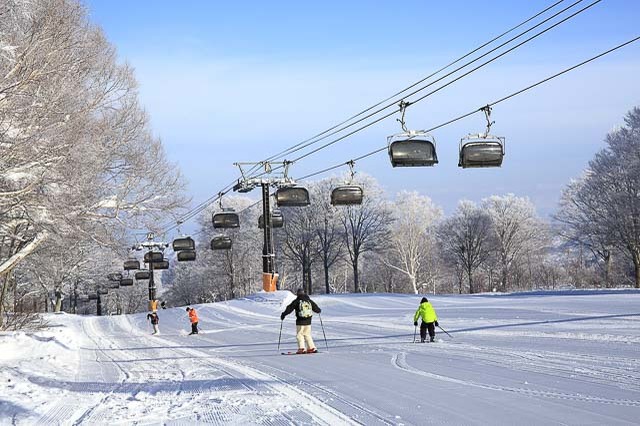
x: 152, y: 284
x: 415, y: 331
x: 280, y: 335
x: 267, y: 248
x: 325, y: 336
x: 445, y: 331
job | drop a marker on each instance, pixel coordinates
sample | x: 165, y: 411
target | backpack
x: 305, y: 309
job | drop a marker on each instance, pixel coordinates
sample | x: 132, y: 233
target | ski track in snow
x: 399, y: 361
x: 542, y: 359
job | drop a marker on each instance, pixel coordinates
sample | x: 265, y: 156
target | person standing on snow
x: 153, y: 317
x: 304, y: 307
x: 429, y: 320
x: 193, y: 317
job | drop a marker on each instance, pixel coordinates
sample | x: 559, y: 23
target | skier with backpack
x: 304, y: 308
x: 429, y: 320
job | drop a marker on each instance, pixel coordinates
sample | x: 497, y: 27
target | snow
x: 529, y: 358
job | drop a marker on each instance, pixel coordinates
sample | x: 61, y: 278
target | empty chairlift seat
x: 221, y: 242
x: 154, y: 257
x: 226, y: 219
x: 93, y: 296
x: 347, y: 195
x: 131, y: 265
x: 292, y: 196
x: 126, y: 282
x: 277, y: 220
x: 142, y: 275
x: 184, y: 243
x: 481, y: 150
x: 412, y: 149
x: 186, y: 255
x: 161, y: 265
x: 102, y: 291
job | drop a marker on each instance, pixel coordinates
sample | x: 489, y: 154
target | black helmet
x: 188, y: 309
x: 424, y: 299
x: 300, y: 292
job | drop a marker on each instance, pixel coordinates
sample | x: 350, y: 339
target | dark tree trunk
x: 325, y: 265
x: 607, y: 268
x: 3, y: 292
x: 636, y: 266
x: 356, y: 278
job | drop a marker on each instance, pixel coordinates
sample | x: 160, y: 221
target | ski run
x: 565, y: 358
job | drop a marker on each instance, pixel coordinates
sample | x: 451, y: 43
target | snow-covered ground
x: 546, y: 358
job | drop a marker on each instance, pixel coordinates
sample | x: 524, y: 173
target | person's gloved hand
x: 415, y: 323
x: 282, y: 316
x: 437, y: 325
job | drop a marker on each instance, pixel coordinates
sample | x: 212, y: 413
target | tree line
x: 407, y: 244
x: 79, y: 166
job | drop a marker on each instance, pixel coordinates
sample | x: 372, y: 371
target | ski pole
x: 280, y: 335
x: 325, y: 336
x: 415, y: 331
x: 445, y: 331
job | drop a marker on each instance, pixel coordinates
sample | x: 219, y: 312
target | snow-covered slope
x: 544, y: 358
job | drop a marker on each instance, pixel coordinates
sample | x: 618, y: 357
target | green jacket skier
x: 429, y: 320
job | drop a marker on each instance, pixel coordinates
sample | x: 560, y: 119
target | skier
x: 193, y: 317
x: 153, y: 317
x: 429, y: 320
x: 304, y: 307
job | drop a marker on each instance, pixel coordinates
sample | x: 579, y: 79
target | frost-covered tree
x: 603, y: 208
x: 412, y: 237
x: 466, y: 238
x: 301, y: 245
x: 516, y: 228
x: 579, y: 231
x: 76, y: 153
x: 366, y: 226
x: 328, y: 230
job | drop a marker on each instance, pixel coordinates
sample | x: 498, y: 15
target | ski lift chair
x: 102, y: 291
x: 153, y: 256
x: 131, y: 265
x: 126, y: 282
x: 93, y: 296
x: 412, y: 149
x: 221, y: 242
x: 161, y: 265
x: 184, y: 243
x: 277, y: 220
x: 481, y: 150
x: 186, y: 255
x: 142, y: 275
x: 347, y: 195
x: 292, y: 196
x: 226, y: 219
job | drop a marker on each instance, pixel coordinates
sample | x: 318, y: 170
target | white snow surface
x: 569, y: 358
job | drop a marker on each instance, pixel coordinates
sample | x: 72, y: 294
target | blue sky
x: 239, y: 81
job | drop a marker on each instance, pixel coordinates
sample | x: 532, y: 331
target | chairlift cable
x: 326, y: 145
x: 460, y: 117
x: 325, y: 134
x: 202, y: 206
